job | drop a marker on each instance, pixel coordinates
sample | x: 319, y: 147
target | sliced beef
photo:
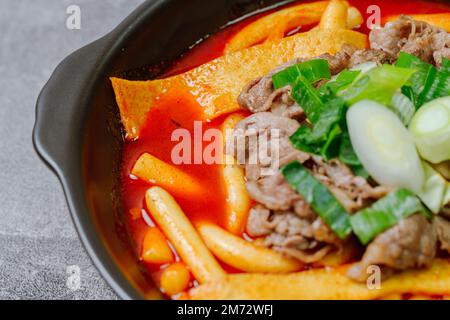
x: 409, y: 244
x: 259, y: 126
x: 273, y: 191
x: 353, y: 192
x: 280, y: 208
x: 418, y: 38
x: 306, y: 238
x: 260, y: 95
x: 442, y: 228
x: 370, y: 55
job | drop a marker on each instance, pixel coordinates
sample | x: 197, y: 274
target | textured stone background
x: 37, y: 239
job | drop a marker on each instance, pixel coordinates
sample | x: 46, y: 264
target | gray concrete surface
x: 37, y: 239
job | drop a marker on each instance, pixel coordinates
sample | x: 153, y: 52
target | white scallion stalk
x: 403, y: 108
x: 434, y: 189
x: 384, y: 146
x: 430, y: 128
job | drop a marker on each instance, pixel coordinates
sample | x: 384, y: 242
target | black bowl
x: 78, y: 132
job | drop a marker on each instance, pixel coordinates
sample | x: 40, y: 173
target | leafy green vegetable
x: 308, y: 98
x: 322, y: 137
x: 299, y: 137
x: 330, y: 148
x: 420, y: 79
x: 342, y: 80
x: 430, y: 128
x: 312, y: 71
x: 319, y: 197
x: 327, y: 149
x: 385, y: 213
x: 347, y: 154
x: 427, y: 83
x: 378, y: 84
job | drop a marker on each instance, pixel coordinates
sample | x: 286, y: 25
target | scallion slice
x: 430, y: 128
x: 378, y: 84
x: 319, y: 197
x: 312, y: 70
x: 427, y: 83
x: 385, y: 213
x: 308, y: 97
x: 402, y: 107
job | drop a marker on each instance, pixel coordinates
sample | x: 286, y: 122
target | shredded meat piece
x: 409, y: 244
x: 442, y: 228
x: 370, y: 55
x: 353, y: 192
x: 263, y: 191
x: 244, y: 147
x: 418, y: 38
x: 305, y: 237
x: 260, y: 95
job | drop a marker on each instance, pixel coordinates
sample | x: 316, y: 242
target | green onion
x: 341, y: 81
x: 308, y: 98
x: 385, y: 213
x: 312, y: 71
x: 347, y: 154
x: 433, y: 192
x: 402, y: 107
x: 430, y: 128
x: 427, y: 83
x: 319, y: 197
x: 330, y: 148
x: 439, y: 86
x: 378, y: 84
x: 384, y: 146
x: 331, y: 114
x: 322, y: 138
x: 422, y: 78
